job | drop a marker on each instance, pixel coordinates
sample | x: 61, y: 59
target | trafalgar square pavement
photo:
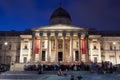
x: 52, y: 75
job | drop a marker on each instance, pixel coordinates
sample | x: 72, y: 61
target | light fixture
x: 114, y: 43
x: 6, y: 43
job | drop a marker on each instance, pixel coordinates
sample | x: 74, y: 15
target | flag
x: 36, y: 48
x: 83, y: 47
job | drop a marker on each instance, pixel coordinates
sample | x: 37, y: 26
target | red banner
x: 36, y: 48
x: 83, y: 47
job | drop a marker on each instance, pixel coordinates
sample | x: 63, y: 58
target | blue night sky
x: 27, y: 14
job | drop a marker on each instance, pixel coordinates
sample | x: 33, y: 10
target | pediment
x: 59, y: 27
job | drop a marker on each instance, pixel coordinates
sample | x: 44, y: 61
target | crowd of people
x: 4, y: 67
x: 104, y: 67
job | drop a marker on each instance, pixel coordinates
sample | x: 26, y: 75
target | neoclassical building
x: 59, y: 42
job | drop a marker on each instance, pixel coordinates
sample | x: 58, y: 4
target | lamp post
x: 5, y: 43
x: 114, y: 43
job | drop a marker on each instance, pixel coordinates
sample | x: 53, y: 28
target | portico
x: 60, y: 42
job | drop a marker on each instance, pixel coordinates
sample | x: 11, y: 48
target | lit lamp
x: 6, y: 43
x: 114, y: 43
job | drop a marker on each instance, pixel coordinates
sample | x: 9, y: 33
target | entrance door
x: 95, y: 59
x: 43, y: 56
x: 60, y: 56
x: 76, y: 56
x: 25, y: 59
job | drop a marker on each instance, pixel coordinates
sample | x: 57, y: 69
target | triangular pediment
x: 59, y: 27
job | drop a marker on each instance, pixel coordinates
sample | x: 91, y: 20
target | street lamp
x: 114, y: 43
x: 5, y: 43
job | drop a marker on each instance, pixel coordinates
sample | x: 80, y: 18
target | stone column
x: 71, y: 47
x: 79, y: 46
x: 56, y: 47
x: 40, y: 52
x: 33, y: 45
x: 48, y: 54
x: 64, y: 47
x: 87, y: 48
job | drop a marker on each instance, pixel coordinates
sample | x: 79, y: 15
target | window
x: 43, y: 55
x: 0, y: 46
x: 112, y: 58
x: 94, y: 47
x: 10, y: 46
x: 25, y: 47
x: 43, y: 44
x: 111, y: 47
x: 76, y: 44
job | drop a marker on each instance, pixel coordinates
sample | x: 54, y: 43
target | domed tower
x: 60, y: 16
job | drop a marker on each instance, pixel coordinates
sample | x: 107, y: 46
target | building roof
x: 60, y: 13
x: 105, y: 33
x: 15, y: 33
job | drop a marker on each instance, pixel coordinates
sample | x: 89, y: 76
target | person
x: 72, y: 77
x: 59, y: 73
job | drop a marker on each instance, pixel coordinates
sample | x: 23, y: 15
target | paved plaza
x: 51, y: 75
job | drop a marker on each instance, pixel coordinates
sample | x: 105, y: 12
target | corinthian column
x: 33, y: 40
x: 71, y: 47
x: 40, y: 52
x: 64, y: 47
x: 79, y: 46
x: 56, y: 47
x: 87, y: 49
x: 48, y: 54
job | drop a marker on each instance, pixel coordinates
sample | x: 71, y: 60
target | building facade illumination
x: 60, y: 42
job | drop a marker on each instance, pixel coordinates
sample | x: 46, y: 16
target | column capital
x: 71, y: 33
x: 33, y: 33
x: 63, y: 34
x: 86, y: 35
x: 48, y: 34
x: 41, y: 33
x: 79, y: 34
x: 56, y: 34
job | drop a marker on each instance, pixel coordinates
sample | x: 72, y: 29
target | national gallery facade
x: 59, y: 42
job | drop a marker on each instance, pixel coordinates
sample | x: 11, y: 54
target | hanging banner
x: 83, y: 46
x: 36, y: 48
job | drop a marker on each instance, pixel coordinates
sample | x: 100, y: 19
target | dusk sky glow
x: 27, y: 14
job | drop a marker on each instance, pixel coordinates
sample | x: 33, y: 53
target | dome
x: 60, y: 13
